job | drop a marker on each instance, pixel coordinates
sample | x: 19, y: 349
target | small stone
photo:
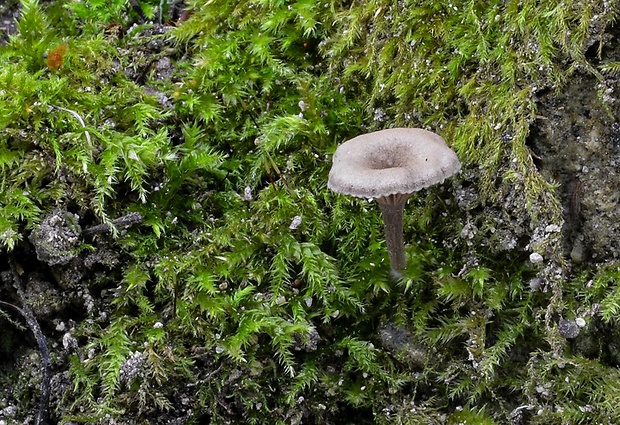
x: 69, y: 343
x: 536, y: 258
x: 568, y: 328
x: 132, y: 366
x: 577, y: 254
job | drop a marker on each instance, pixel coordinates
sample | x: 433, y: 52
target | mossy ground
x: 250, y: 293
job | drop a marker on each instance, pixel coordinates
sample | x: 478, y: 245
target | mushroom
x: 389, y: 166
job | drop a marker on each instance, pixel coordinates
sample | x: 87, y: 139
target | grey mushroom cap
x: 390, y: 162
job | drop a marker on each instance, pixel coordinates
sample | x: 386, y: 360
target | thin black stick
x: 124, y: 221
x: 26, y: 312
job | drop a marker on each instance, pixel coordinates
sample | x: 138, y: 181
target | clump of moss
x: 250, y: 292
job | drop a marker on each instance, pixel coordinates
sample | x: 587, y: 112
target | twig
x: 124, y: 221
x: 26, y: 312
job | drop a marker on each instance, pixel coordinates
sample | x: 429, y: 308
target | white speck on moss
x: 380, y: 115
x: 295, y: 223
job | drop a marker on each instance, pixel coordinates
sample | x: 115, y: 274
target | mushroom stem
x: 393, y: 222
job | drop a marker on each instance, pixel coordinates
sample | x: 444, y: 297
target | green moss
x: 224, y: 300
